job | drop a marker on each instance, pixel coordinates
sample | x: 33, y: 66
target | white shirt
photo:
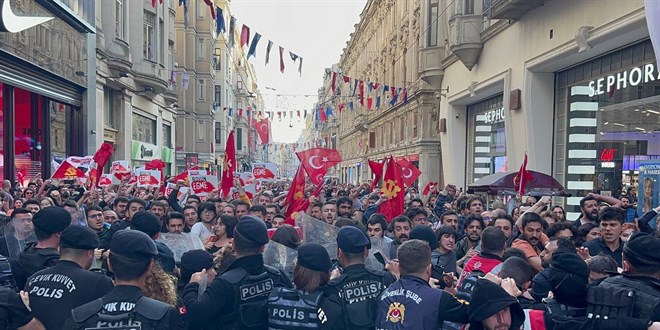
x: 200, y: 231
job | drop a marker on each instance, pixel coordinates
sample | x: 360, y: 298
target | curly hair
x: 161, y: 286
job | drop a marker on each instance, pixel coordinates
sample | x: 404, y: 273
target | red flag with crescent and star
x: 409, y: 171
x: 229, y: 165
x: 377, y: 169
x: 393, y: 190
x: 296, y: 194
x: 521, y: 179
x: 263, y: 129
x: 317, y: 161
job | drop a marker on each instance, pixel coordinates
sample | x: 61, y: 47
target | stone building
x: 385, y: 49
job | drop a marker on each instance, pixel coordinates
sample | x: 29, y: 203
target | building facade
x: 194, y: 60
x: 136, y: 95
x: 45, y: 81
x: 577, y: 92
x: 384, y: 48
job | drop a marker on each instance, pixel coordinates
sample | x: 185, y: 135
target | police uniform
x: 237, y: 298
x: 410, y: 303
x: 125, y: 307
x: 55, y: 291
x: 640, y: 250
x: 50, y: 220
x: 149, y: 224
x: 291, y: 309
x: 191, y: 262
x: 13, y: 313
x: 349, y: 301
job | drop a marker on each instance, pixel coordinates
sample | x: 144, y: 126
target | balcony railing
x: 509, y: 9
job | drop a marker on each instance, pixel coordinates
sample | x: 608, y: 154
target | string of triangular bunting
x: 252, y: 46
x: 361, y: 94
x: 279, y: 115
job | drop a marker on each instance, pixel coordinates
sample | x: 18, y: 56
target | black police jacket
x: 123, y: 308
x: 349, y: 301
x: 55, y: 291
x: 13, y: 313
x: 32, y: 260
x: 213, y: 308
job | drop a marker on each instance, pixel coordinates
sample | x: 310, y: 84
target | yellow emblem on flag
x: 390, y: 189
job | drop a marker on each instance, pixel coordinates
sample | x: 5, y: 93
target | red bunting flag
x: 245, y: 35
x: 334, y: 79
x: 317, y: 161
x: 281, y: 60
x: 377, y: 169
x: 208, y: 3
x: 409, y: 172
x: 229, y: 165
x: 322, y: 115
x: 361, y: 91
x: 392, y: 190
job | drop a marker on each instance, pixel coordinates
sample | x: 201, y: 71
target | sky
x: 316, y: 30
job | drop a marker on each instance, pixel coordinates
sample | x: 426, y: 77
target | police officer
x: 48, y: 226
x: 149, y: 224
x: 349, y: 300
x: 641, y: 270
x: 193, y: 261
x: 132, y: 255
x: 14, y: 314
x: 293, y: 309
x: 410, y: 303
x: 237, y: 298
x: 55, y: 291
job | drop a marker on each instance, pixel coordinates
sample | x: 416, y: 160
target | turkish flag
x: 521, y: 179
x: 317, y: 161
x: 100, y: 158
x: 229, y: 166
x: 263, y: 129
x: 409, y: 171
x: 428, y: 187
x: 20, y: 175
x: 67, y: 171
x: 393, y: 190
x: 296, y: 194
x: 377, y: 169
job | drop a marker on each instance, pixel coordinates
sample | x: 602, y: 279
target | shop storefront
x: 607, y: 123
x: 43, y: 77
x: 486, y: 142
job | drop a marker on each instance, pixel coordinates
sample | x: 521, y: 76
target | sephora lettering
x: 632, y: 77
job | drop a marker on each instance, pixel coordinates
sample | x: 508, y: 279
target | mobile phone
x: 380, y: 258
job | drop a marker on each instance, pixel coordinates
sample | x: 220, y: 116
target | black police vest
x: 146, y: 315
x: 560, y: 316
x: 646, y: 296
x: 290, y: 309
x: 409, y: 304
x: 250, y: 310
x: 358, y: 298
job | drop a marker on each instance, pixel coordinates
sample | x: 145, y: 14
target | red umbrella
x: 539, y: 184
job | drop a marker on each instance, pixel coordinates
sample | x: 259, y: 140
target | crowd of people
x: 124, y: 257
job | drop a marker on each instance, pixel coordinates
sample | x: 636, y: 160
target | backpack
x: 291, y: 309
